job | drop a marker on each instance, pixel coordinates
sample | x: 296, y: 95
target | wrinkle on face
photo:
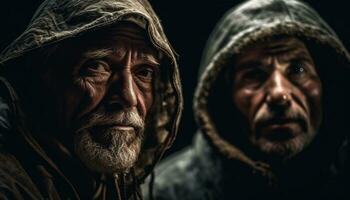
x: 264, y: 73
x: 109, y: 80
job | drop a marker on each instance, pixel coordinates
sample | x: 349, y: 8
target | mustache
x: 127, y: 117
x: 289, y: 115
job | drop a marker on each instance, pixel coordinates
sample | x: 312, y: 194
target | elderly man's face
x: 277, y: 89
x: 104, y: 86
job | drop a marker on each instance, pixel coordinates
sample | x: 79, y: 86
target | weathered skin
x: 75, y: 61
x: 277, y: 90
x: 223, y: 162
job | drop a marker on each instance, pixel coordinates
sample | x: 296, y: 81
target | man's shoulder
x: 176, y: 167
x: 175, y: 177
x: 14, y: 181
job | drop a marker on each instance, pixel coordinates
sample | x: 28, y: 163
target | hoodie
x: 27, y: 168
x: 216, y: 166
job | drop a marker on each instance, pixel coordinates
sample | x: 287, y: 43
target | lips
x: 103, y: 133
x: 280, y: 129
x: 125, y: 127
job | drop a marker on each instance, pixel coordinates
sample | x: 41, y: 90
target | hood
x: 255, y: 20
x: 59, y: 20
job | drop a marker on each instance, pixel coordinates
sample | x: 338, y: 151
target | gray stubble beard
x: 286, y: 149
x: 123, y: 147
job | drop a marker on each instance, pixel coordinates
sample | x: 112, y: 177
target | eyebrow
x: 98, y: 54
x: 286, y: 56
x: 102, y: 53
x: 297, y: 55
x: 249, y: 65
x: 150, y: 60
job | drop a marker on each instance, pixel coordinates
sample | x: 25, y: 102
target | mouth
x: 121, y: 127
x: 281, y: 129
x: 104, y: 133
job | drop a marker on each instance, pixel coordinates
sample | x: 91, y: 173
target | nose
x: 278, y: 92
x: 122, y: 91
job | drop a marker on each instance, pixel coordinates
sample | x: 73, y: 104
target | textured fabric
x: 216, y: 168
x: 26, y: 169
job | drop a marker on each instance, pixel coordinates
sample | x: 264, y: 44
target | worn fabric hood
x: 255, y: 20
x: 59, y: 20
x: 220, y: 164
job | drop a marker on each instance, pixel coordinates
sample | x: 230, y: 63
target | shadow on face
x: 277, y: 92
x: 103, y: 87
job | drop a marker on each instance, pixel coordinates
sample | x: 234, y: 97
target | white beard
x: 118, y: 151
x: 119, y: 156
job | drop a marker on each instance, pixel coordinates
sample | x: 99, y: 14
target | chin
x: 285, y: 149
x: 117, y: 156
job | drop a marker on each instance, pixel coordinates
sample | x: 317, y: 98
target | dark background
x: 187, y: 25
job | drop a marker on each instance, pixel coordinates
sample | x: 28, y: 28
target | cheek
x: 249, y: 101
x: 72, y: 99
x: 83, y: 96
x: 244, y: 101
x: 145, y: 101
x: 313, y: 93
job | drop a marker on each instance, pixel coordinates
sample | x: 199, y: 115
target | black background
x: 187, y: 25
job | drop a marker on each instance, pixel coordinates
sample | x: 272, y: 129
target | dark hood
x: 255, y: 20
x: 59, y: 20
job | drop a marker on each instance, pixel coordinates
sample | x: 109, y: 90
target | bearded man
x: 271, y: 107
x: 90, y: 100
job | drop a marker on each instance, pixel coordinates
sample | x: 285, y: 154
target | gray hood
x: 58, y: 20
x: 255, y: 20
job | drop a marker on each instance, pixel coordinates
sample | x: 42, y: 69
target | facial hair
x: 106, y: 149
x: 284, y: 149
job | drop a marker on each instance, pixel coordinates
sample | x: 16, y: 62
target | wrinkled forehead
x: 276, y: 46
x: 126, y: 30
x: 121, y: 35
x: 285, y: 48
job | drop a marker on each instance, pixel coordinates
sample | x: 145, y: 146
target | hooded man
x: 271, y: 109
x: 89, y: 101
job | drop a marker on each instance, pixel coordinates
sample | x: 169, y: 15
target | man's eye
x: 146, y: 73
x: 96, y: 66
x: 296, y: 69
x: 254, y: 74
